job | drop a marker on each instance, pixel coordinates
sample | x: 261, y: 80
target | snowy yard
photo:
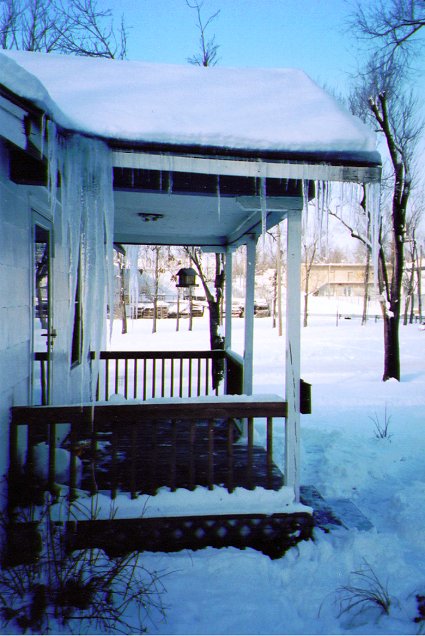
x: 244, y: 592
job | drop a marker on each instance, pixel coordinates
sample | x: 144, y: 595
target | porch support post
x: 293, y: 338
x: 228, y: 300
x: 249, y: 314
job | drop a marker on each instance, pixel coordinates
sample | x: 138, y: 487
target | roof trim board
x: 253, y: 168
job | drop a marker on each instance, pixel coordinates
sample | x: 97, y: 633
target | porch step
x: 271, y: 534
x: 331, y: 513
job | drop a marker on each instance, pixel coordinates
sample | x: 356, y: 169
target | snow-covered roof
x: 280, y: 110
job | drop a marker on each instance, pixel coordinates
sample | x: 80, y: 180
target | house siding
x: 15, y: 331
x: 18, y: 206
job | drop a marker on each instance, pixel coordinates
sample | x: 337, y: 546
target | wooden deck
x: 176, y: 454
x: 140, y: 448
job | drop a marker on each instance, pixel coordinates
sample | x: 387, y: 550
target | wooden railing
x: 148, y: 445
x: 148, y: 374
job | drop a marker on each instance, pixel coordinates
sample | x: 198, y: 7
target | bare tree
x: 380, y: 99
x: 309, y: 248
x: 208, y: 49
x: 411, y: 277
x: 77, y: 27
x: 214, y: 299
x: 393, y: 25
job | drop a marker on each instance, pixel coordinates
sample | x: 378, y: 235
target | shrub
x: 382, y: 426
x: 366, y: 591
x: 81, y: 592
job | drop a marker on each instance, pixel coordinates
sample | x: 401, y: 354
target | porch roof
x: 182, y: 135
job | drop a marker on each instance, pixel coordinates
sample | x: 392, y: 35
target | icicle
x: 42, y: 134
x: 373, y: 208
x: 263, y: 205
x: 52, y: 162
x: 87, y: 210
x: 218, y: 198
x: 132, y: 262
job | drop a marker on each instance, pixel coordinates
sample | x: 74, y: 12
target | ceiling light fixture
x: 150, y: 216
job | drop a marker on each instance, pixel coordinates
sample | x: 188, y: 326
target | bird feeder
x: 186, y: 278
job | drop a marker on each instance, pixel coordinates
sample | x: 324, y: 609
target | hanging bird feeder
x: 186, y: 277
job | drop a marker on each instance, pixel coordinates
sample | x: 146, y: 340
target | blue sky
x: 308, y: 34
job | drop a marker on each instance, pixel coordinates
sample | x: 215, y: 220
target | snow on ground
x: 230, y: 591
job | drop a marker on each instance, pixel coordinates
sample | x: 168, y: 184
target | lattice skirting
x: 271, y: 534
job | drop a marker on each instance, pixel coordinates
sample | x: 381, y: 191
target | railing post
x: 249, y: 314
x: 210, y: 454
x: 293, y: 341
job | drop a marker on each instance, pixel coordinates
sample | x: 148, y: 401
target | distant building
x: 337, y: 279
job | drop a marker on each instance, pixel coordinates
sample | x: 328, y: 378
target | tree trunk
x: 305, y: 321
x: 419, y: 282
x: 409, y: 296
x: 214, y: 303
x: 391, y: 347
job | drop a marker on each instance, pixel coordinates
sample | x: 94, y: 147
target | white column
x: 249, y: 314
x: 293, y: 337
x: 228, y: 300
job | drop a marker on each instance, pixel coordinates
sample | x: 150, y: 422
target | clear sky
x: 308, y: 34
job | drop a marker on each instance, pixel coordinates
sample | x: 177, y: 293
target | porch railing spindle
x: 163, y: 377
x: 269, y: 451
x: 173, y: 458
x: 171, y: 377
x: 107, y: 379
x: 116, y: 374
x: 250, y: 451
x: 114, y: 470
x: 207, y: 379
x: 210, y: 454
x: 145, y: 381
x: 135, y: 378
x: 198, y: 384
x: 181, y: 377
x: 189, y: 387
x: 230, y: 481
x: 192, y: 439
x: 133, y: 455
x: 126, y: 378
x: 153, y: 377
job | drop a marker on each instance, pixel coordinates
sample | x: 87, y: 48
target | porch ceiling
x: 207, y: 220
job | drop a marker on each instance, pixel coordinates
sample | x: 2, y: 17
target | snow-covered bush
x: 58, y: 591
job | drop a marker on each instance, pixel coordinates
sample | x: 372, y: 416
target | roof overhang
x: 212, y: 190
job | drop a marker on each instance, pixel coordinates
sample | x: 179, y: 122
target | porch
x: 177, y: 465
